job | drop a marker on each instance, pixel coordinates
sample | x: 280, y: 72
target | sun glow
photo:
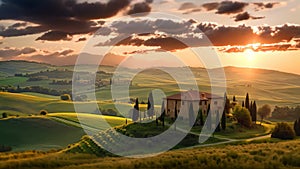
x: 249, y: 54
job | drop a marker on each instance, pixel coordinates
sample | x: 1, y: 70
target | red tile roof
x: 192, y: 95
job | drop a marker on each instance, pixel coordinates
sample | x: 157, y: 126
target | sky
x: 145, y: 33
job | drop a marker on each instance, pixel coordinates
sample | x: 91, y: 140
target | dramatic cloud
x: 261, y: 5
x: 230, y: 7
x: 61, y: 16
x: 55, y: 36
x: 9, y: 53
x: 140, y: 9
x: 187, y: 5
x: 173, y: 35
x: 245, y: 16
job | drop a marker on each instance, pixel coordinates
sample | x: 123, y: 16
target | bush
x: 283, y: 131
x: 65, y: 97
x: 43, y: 112
x: 4, y: 115
x: 243, y: 116
x: 5, y: 148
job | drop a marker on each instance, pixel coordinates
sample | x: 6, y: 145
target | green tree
x: 4, y: 115
x: 247, y: 104
x: 225, y: 112
x: 254, y: 112
x: 200, y: 117
x: 163, y: 114
x: 264, y: 112
x: 243, y: 104
x: 150, y: 105
x: 208, y: 118
x: 218, y: 129
x: 234, y: 99
x: 242, y: 115
x: 43, y: 112
x: 283, y: 131
x: 191, y: 115
x: 136, y: 111
x: 297, y: 127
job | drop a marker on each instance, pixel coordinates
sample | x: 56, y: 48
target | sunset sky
x: 249, y: 33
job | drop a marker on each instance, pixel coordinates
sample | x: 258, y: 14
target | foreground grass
x: 254, y: 155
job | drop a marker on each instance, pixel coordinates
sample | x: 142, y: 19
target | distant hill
x: 10, y: 68
x: 264, y: 86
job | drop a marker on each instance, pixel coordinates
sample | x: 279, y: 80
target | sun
x: 249, y: 55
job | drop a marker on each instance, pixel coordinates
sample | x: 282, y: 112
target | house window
x: 215, y: 102
x: 182, y: 102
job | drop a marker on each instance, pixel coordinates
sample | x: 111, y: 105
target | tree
x: 242, y: 115
x: 163, y: 114
x: 247, y: 104
x: 264, y: 112
x: 223, y: 120
x: 254, y: 112
x: 225, y: 111
x: 65, y: 97
x: 297, y: 127
x: 136, y: 111
x: 208, y: 118
x: 4, y: 115
x: 243, y: 104
x: 200, y: 117
x: 218, y: 129
x: 191, y: 115
x: 43, y: 112
x: 150, y: 106
x: 234, y: 99
x: 283, y: 131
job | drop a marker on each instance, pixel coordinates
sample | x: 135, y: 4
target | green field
x: 57, y: 131
x: 279, y: 155
x: 37, y: 134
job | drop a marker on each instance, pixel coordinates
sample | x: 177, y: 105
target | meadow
x: 273, y: 155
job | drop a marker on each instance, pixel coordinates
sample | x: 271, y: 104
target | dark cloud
x: 230, y: 7
x: 261, y: 5
x: 68, y: 16
x: 142, y: 8
x: 211, y: 6
x: 242, y: 16
x: 9, y: 53
x: 245, y: 16
x: 187, y: 5
x: 81, y: 39
x: 55, y: 36
x: 175, y: 35
x: 17, y: 25
x: 14, y: 31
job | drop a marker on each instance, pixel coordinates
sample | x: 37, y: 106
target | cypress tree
x: 218, y: 129
x: 208, y: 120
x: 163, y: 113
x: 297, y: 127
x: 234, y: 99
x: 243, y: 104
x: 191, y: 115
x: 136, y: 109
x: 200, y: 113
x: 254, y: 112
x: 150, y: 106
x: 247, y: 102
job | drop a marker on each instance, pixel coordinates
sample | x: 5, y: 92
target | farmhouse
x: 181, y: 102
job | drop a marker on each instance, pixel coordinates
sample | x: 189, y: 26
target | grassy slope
x: 41, y: 133
x: 37, y: 134
x: 263, y: 155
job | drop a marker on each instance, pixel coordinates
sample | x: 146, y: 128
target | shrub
x: 283, y: 131
x: 65, y: 97
x: 43, y: 112
x: 5, y: 148
x: 243, y: 116
x: 4, y: 115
